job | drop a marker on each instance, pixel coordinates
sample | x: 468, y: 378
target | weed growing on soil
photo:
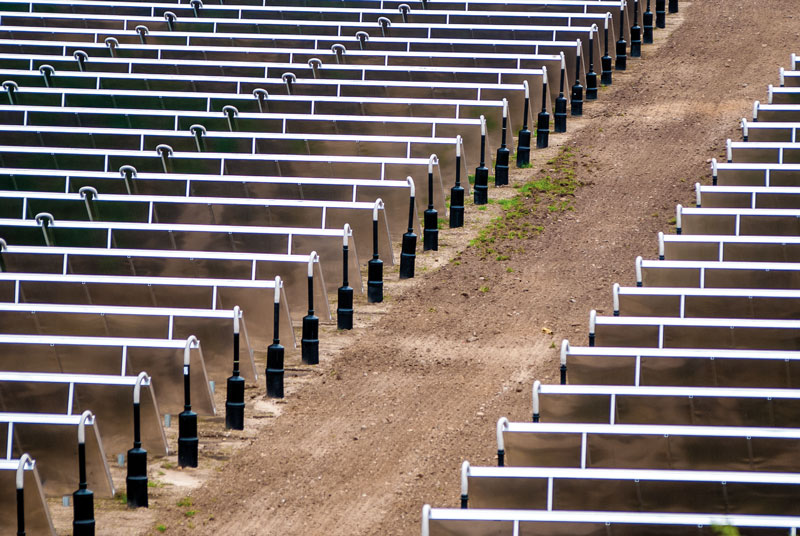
x: 161, y: 527
x: 556, y: 187
x: 186, y: 501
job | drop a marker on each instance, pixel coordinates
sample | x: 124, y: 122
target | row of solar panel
x: 159, y: 169
x: 682, y: 413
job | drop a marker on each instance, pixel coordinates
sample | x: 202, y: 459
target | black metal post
x: 673, y: 6
x: 408, y: 253
x: 647, y: 22
x: 274, y: 372
x: 234, y: 402
x: 543, y: 119
x: 188, y: 441
x: 560, y: 113
x: 591, y: 76
x: 375, y: 265
x: 524, y: 136
x: 576, y: 98
x: 503, y: 154
x: 24, y: 460
x: 636, y: 33
x: 83, y: 523
x: 310, y: 339
x: 622, y: 46
x: 605, y: 61
x: 344, y: 307
x: 430, y: 235
x: 456, y: 194
x: 481, y: 189
x: 136, y: 479
x: 661, y: 13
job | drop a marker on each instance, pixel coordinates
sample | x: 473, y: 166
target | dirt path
x: 382, y: 426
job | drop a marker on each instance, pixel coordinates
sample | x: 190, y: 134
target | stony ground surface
x: 382, y: 425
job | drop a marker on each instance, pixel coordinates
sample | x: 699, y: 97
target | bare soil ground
x: 382, y: 425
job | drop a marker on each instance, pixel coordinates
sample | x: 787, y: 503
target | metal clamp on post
x: 83, y: 498
x: 605, y: 61
x: 197, y: 5
x: 408, y: 251
x: 576, y: 96
x: 524, y: 135
x: 647, y: 24
x: 188, y: 441
x: 112, y: 44
x: 274, y: 372
x: 384, y: 23
x: 457, y: 192
x: 165, y: 151
x: 136, y: 479
x: 502, y: 426
x: 481, y: 190
x: 289, y: 79
x: 543, y: 119
x: 47, y: 72
x: 344, y: 307
x: 430, y: 235
x: 128, y: 173
x: 563, y: 368
x: 638, y: 270
x: 231, y: 112
x: 405, y: 9
x: 560, y: 113
x: 636, y: 33
x: 234, y: 402
x: 537, y: 387
x: 315, y: 64
x: 89, y: 194
x: 362, y: 37
x: 661, y: 13
x: 698, y: 195
x: 465, y: 484
x: 309, y: 341
x: 339, y: 49
x: 171, y: 19
x: 198, y: 131
x: 81, y: 57
x: 25, y: 462
x: 375, y: 265
x: 621, y: 62
x: 11, y: 88
x: 261, y: 96
x: 503, y: 154
x: 591, y: 76
x: 45, y: 220
x: 3, y: 248
x: 714, y: 171
x: 142, y: 30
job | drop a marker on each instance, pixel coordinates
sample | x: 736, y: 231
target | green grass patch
x: 553, y: 190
